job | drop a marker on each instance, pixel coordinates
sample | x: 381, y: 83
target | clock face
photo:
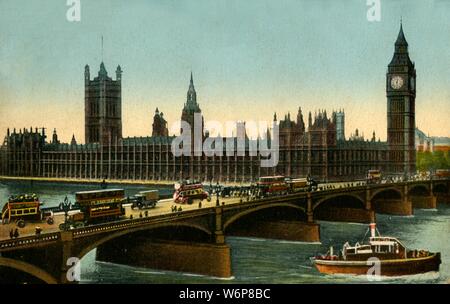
x: 396, y: 82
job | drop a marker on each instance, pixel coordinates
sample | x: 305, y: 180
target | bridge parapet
x: 29, y: 241
x: 132, y: 223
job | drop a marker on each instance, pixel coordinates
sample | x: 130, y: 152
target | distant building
x: 22, y: 151
x: 103, y: 107
x: 319, y: 149
x: 190, y: 108
x: 423, y: 142
x: 159, y: 126
x: 401, y: 99
x: 441, y: 144
x: 356, y: 136
x: 426, y: 143
x: 304, y: 150
x: 73, y: 142
x: 55, y: 140
x: 339, y: 118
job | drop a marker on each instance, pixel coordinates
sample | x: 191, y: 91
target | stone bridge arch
x: 335, y: 196
x: 343, y: 207
x: 278, y: 220
x: 83, y: 249
x: 234, y: 218
x: 392, y: 200
x: 421, y: 195
x: 377, y: 192
x: 441, y: 190
x: 440, y: 187
x: 419, y: 189
x: 28, y: 268
x: 198, y: 253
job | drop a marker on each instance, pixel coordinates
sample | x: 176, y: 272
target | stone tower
x: 159, y: 126
x: 103, y: 107
x: 339, y: 120
x: 191, y: 107
x: 55, y: 139
x: 401, y: 97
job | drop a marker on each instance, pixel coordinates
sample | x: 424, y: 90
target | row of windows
x: 94, y: 134
x: 93, y: 109
x: 24, y: 211
x: 111, y: 108
x: 397, y: 122
x: 191, y: 192
x: 397, y: 106
x: 396, y: 137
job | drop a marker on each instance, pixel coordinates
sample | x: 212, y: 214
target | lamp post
x: 65, y: 206
x: 217, y: 194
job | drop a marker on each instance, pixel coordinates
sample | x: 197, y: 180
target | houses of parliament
x: 312, y: 144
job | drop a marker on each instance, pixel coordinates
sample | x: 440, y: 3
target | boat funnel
x: 372, y: 226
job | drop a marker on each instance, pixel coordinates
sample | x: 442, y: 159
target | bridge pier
x: 368, y: 206
x: 219, y: 237
x: 443, y: 198
x: 201, y: 258
x: 394, y: 206
x: 68, y: 272
x: 424, y: 202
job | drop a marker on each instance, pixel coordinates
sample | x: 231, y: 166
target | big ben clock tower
x: 401, y: 99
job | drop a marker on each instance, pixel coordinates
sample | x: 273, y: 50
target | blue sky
x: 249, y: 59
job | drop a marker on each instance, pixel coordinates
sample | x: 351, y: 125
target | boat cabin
x: 378, y: 246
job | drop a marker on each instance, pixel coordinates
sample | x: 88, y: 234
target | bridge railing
x: 136, y: 222
x: 29, y: 240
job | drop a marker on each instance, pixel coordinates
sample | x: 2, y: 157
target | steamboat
x: 394, y: 258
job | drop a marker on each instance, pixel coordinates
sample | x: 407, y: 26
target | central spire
x: 102, y: 71
x: 191, y: 94
x: 401, y: 54
x: 401, y: 40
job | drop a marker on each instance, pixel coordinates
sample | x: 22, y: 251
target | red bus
x: 441, y: 173
x: 272, y: 184
x: 186, y: 193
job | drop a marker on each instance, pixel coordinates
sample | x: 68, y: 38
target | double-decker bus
x: 22, y: 208
x: 99, y: 205
x: 275, y: 185
x: 297, y: 184
x: 269, y: 185
x: 186, y: 192
x: 373, y: 176
x: 442, y: 173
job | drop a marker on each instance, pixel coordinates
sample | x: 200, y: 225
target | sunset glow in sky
x: 249, y: 59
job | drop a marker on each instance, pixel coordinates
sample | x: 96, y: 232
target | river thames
x: 263, y: 260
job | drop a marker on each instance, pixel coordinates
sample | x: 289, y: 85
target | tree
x: 427, y: 161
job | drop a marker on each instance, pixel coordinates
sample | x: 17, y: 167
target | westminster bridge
x: 193, y: 240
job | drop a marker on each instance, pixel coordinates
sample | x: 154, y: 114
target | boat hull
x: 395, y: 267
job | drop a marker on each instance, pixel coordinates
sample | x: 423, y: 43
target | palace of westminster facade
x: 316, y: 147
